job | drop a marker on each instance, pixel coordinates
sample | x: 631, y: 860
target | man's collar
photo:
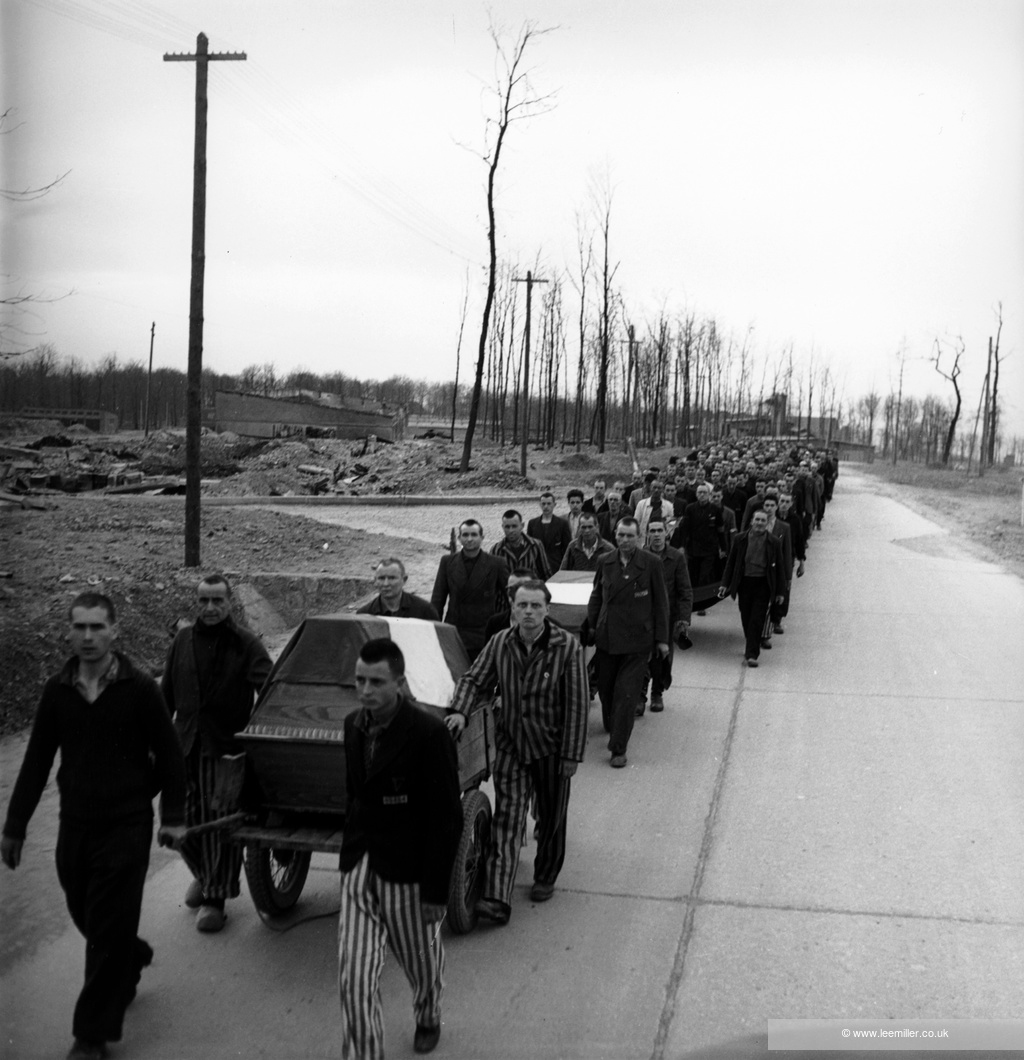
x: 540, y: 642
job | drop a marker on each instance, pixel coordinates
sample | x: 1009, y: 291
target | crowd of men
x: 722, y: 522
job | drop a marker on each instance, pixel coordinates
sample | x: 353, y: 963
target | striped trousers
x: 375, y: 912
x: 514, y: 783
x: 214, y: 863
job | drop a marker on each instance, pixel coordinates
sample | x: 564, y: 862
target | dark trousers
x: 754, y: 599
x: 779, y: 611
x: 514, y: 783
x: 702, y: 570
x: 102, y: 868
x: 659, y: 672
x: 620, y: 682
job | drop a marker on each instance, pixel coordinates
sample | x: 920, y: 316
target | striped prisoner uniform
x: 540, y: 719
x: 529, y: 554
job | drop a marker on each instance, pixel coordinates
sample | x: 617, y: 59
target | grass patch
x: 996, y: 482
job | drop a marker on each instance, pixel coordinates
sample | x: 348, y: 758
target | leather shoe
x: 777, y: 628
x: 752, y: 663
x: 541, y: 892
x: 426, y: 1038
x: 210, y: 919
x: 194, y: 896
x: 638, y: 710
x: 618, y: 761
x: 657, y: 704
x: 493, y: 910
x: 766, y: 644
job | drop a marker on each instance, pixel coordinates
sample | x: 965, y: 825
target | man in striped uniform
x: 213, y: 672
x: 540, y: 736
x: 402, y: 829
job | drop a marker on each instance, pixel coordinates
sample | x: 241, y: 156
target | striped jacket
x: 533, y: 556
x: 543, y: 689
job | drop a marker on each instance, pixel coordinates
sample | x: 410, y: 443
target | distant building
x: 258, y: 416
x: 95, y: 419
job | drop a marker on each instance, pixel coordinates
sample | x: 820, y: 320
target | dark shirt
x: 755, y: 563
x: 409, y: 606
x: 116, y: 753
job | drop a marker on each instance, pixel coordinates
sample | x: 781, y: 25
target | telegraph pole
x: 193, y: 421
x: 529, y: 281
x: 149, y: 375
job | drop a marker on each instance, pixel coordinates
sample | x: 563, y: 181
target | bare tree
x: 993, y: 414
x: 951, y: 376
x: 516, y: 101
x: 16, y: 301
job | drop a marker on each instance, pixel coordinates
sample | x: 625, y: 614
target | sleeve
x: 659, y: 601
x: 439, y: 597
x: 440, y: 770
x: 258, y: 664
x: 475, y: 685
x: 576, y: 693
x: 167, y: 679
x: 168, y: 760
x: 542, y: 562
x: 596, y: 599
x: 501, y: 597
x: 683, y: 592
x: 35, y: 766
x: 730, y: 563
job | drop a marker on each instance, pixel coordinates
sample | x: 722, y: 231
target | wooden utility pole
x: 193, y: 420
x: 529, y: 281
x: 149, y: 376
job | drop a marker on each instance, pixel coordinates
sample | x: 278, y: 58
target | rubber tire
x: 468, y: 870
x: 276, y: 877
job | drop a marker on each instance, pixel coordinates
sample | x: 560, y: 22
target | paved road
x: 839, y: 833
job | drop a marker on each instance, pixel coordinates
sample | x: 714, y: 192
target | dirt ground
x: 132, y: 547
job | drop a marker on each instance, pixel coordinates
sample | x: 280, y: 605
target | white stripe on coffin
x: 576, y: 594
x: 426, y: 669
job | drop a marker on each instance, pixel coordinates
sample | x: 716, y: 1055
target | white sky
x: 845, y: 176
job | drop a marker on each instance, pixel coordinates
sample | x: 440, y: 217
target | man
x: 472, y: 583
x: 686, y: 491
x: 628, y: 613
x: 653, y: 506
x: 540, y: 733
x: 575, y: 499
x: 780, y: 530
x: 214, y: 669
x: 791, y: 519
x: 598, y: 503
x: 587, y: 548
x: 734, y: 498
x: 680, y: 604
x: 517, y: 549
x: 392, y: 599
x: 755, y: 504
x: 675, y: 504
x: 117, y: 748
x: 753, y: 574
x: 701, y: 535
x: 402, y: 829
x: 609, y: 518
x: 642, y: 488
x: 552, y: 531
x: 504, y: 620
x: 728, y: 515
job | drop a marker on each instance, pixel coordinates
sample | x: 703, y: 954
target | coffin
x: 294, y: 741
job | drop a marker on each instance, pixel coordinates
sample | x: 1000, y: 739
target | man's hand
x: 171, y: 835
x: 433, y: 914
x: 456, y: 723
x: 567, y: 768
x: 721, y: 592
x: 10, y: 851
x: 779, y: 599
x: 800, y: 569
x: 662, y: 649
x: 680, y: 627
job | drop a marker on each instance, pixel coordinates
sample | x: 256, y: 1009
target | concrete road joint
x: 679, y: 964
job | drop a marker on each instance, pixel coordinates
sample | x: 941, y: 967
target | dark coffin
x: 295, y: 738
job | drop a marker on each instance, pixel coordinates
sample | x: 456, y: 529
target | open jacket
x: 405, y: 811
x: 628, y: 608
x: 733, y: 574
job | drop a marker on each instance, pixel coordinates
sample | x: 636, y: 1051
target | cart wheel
x: 468, y: 871
x: 276, y: 877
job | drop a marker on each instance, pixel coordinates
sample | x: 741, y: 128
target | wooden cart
x: 293, y: 797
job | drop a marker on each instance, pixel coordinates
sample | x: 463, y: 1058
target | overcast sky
x: 847, y: 176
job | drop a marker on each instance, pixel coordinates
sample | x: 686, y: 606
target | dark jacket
x: 406, y: 812
x: 606, y: 525
x: 116, y: 753
x: 796, y: 528
x: 554, y: 536
x: 733, y: 574
x: 409, y: 606
x: 628, y: 609
x: 702, y: 530
x: 471, y: 599
x: 677, y: 584
x: 782, y: 531
x: 221, y: 709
